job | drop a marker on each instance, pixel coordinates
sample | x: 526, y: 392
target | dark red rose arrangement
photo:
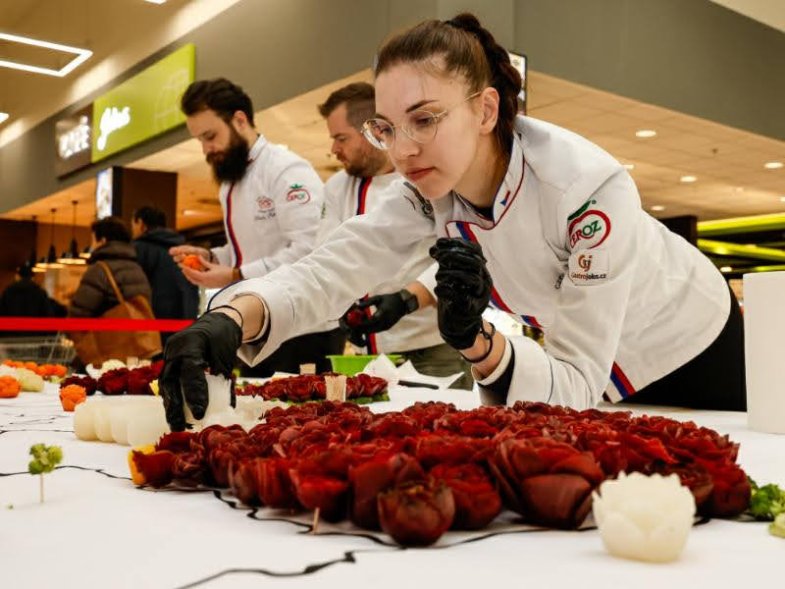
x: 88, y: 383
x: 361, y: 389
x: 419, y: 472
x: 133, y: 381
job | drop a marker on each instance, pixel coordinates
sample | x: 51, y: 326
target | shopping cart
x: 41, y: 349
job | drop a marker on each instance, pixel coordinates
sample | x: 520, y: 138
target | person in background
x: 271, y: 200
x: 111, y: 244
x: 26, y: 298
x: 524, y: 214
x: 399, y: 315
x: 173, y: 296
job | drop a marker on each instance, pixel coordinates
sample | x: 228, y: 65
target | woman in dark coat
x: 96, y: 295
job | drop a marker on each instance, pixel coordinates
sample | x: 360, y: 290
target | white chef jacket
x: 346, y: 196
x: 621, y: 299
x: 272, y: 214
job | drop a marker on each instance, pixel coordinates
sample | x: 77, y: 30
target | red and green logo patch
x: 589, y: 229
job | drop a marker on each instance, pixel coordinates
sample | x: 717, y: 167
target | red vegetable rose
x: 155, y: 467
x: 370, y: 478
x: 417, y: 513
x: 88, y: 383
x: 114, y: 382
x: 548, y: 482
x: 314, y: 491
x: 273, y: 483
x: 242, y: 480
x: 477, y: 502
x: 175, y: 442
x: 354, y: 317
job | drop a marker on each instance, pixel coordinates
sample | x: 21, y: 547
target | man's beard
x: 230, y: 165
x: 366, y: 166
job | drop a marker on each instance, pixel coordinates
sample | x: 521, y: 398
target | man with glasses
x: 402, y: 321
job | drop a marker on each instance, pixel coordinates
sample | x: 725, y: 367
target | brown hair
x: 468, y: 49
x: 111, y: 229
x: 359, y: 100
x: 219, y: 95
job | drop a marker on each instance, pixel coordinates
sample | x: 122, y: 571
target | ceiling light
x: 688, y: 179
x: 193, y: 212
x: 50, y: 261
x: 71, y: 256
x: 155, y: 1
x: 658, y: 208
x: 81, y: 55
x: 3, y: 117
x: 629, y: 166
x: 726, y: 269
x: 645, y: 133
x: 782, y: 199
x: 773, y: 165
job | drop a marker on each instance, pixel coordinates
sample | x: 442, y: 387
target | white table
x: 97, y: 529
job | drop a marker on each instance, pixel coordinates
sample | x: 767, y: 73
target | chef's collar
x: 257, y: 148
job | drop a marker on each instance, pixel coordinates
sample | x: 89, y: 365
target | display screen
x: 103, y: 194
x: 519, y: 63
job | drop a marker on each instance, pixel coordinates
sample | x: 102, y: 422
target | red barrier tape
x: 74, y: 324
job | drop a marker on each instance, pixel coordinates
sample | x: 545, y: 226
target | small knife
x: 409, y: 383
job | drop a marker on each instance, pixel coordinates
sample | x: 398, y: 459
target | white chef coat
x: 271, y: 215
x: 346, y: 196
x: 621, y: 299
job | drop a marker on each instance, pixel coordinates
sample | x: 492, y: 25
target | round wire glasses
x: 419, y: 125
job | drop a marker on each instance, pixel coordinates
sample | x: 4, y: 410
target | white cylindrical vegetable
x: 84, y: 421
x: 147, y: 427
x: 644, y: 517
x: 119, y: 417
x: 102, y: 421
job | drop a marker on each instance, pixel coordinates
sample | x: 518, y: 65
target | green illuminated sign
x: 144, y: 106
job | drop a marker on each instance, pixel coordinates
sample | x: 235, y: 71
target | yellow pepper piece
x: 137, y: 477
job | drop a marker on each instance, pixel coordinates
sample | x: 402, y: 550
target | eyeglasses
x: 419, y: 126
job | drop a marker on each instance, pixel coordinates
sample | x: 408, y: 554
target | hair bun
x: 466, y: 22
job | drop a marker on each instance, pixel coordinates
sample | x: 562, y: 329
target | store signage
x: 73, y: 141
x: 143, y: 106
x: 112, y: 119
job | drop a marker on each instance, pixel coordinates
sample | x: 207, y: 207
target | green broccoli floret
x: 45, y: 458
x: 777, y: 527
x: 766, y: 502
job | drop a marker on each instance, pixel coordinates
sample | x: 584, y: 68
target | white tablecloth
x: 96, y: 529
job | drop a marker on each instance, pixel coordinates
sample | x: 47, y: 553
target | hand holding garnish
x: 45, y: 458
x: 194, y: 262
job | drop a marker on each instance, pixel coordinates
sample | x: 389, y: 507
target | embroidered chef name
x: 265, y: 209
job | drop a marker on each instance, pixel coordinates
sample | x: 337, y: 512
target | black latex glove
x: 463, y: 290
x: 389, y: 310
x: 211, y: 342
x: 350, y: 322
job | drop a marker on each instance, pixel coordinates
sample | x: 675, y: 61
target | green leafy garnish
x: 45, y: 458
x: 777, y: 527
x: 766, y: 502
